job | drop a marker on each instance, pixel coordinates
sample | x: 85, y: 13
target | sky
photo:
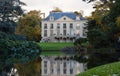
x: 45, y: 6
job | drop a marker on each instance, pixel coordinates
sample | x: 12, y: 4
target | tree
x: 104, y: 18
x: 118, y: 22
x: 30, y: 68
x: 15, y: 52
x: 13, y: 48
x: 29, y: 25
x: 104, y: 1
x: 56, y: 9
x: 10, y: 10
x: 79, y: 13
x: 103, y: 32
x: 100, y: 11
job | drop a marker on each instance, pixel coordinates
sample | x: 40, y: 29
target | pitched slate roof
x: 57, y: 15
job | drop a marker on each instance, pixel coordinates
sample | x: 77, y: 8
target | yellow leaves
x: 118, y: 25
x: 28, y: 31
x: 29, y: 25
x: 56, y: 9
x: 100, y: 11
x: 98, y: 18
x: 37, y: 32
x: 118, y: 22
x: 29, y: 69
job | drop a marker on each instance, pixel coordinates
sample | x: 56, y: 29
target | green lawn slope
x: 104, y: 70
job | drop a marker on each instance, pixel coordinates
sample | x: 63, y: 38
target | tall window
x: 45, y: 67
x: 45, y: 26
x: 84, y: 31
x: 71, y: 67
x: 64, y: 67
x: 51, y: 26
x: 71, y: 71
x: 51, y: 32
x: 71, y: 28
x: 58, y: 29
x: 64, y: 71
x: 45, y: 64
x: 64, y: 25
x: 45, y: 71
x: 71, y: 25
x: 58, y: 32
x: 58, y: 26
x: 64, y: 32
x: 78, y: 30
x: 45, y: 33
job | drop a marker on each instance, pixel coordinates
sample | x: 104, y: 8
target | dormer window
x: 51, y: 18
x: 77, y: 18
x: 78, y: 26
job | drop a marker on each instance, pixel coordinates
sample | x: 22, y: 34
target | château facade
x: 60, y: 66
x: 63, y: 27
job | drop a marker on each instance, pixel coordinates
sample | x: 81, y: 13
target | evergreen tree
x: 104, y: 32
x: 12, y: 50
x: 10, y: 10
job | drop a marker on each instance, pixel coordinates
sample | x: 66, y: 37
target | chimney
x: 43, y: 15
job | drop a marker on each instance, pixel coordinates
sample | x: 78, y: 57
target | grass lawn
x: 104, y: 70
x: 54, y: 46
x: 54, y: 53
x: 51, y: 49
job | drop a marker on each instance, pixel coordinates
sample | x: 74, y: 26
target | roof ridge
x: 58, y: 15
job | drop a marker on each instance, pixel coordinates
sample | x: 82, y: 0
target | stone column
x: 42, y: 67
x: 48, y: 30
x: 55, y: 68
x: 68, y: 68
x: 61, y: 29
x: 68, y: 29
x: 81, y: 29
x: 54, y: 29
x: 48, y: 67
x: 42, y: 28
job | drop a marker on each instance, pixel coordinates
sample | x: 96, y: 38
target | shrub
x: 70, y: 50
x: 18, y: 51
x: 80, y: 41
x: 14, y: 50
x: 11, y: 36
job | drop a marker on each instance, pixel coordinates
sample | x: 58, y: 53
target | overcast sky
x: 66, y: 5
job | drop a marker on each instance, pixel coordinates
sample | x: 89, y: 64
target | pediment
x: 64, y: 18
